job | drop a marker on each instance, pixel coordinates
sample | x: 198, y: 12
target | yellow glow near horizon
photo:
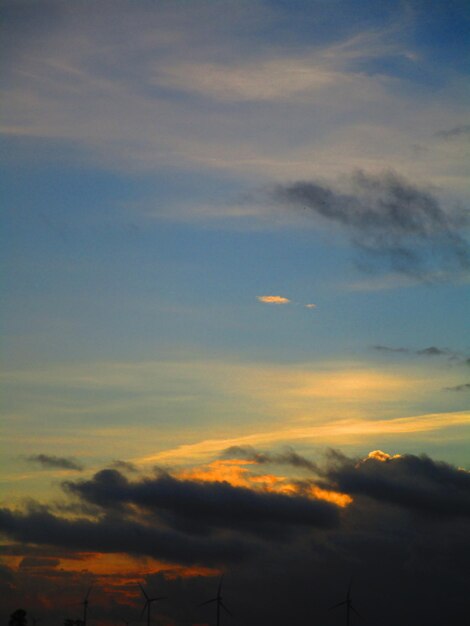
x: 339, y: 431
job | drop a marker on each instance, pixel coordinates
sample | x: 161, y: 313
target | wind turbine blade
x: 158, y: 598
x: 220, y: 585
x: 335, y: 606
x: 88, y: 593
x: 356, y: 612
x: 225, y: 608
x: 208, y: 602
x: 143, y: 591
x: 143, y: 610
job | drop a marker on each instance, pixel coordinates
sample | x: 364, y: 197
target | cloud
x: 47, y: 460
x: 113, y: 534
x: 125, y: 466
x: 463, y: 387
x: 178, y: 520
x: 431, y: 351
x: 288, y: 457
x: 388, y: 220
x: 209, y: 506
x: 343, y: 431
x: 273, y: 299
x: 311, y: 306
x: 405, y: 529
x: 207, y: 99
x: 389, y: 349
x: 33, y: 562
x: 462, y: 130
x: 416, y: 483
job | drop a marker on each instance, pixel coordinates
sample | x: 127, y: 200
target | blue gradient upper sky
x: 145, y: 148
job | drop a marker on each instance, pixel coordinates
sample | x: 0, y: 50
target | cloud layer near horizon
x: 255, y: 507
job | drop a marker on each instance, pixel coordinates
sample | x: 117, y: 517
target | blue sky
x: 148, y: 154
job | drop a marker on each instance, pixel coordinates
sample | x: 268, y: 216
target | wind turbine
x: 348, y: 604
x: 85, y: 605
x: 148, y: 603
x: 219, y: 602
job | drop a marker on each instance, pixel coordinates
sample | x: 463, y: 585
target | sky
x: 235, y: 339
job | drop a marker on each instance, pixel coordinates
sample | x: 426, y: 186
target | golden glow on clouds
x: 340, y: 499
x: 378, y: 455
x: 237, y: 473
x: 273, y: 299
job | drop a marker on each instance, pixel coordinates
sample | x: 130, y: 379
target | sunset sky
x: 235, y: 309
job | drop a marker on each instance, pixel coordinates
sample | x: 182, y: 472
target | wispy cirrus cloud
x: 342, y: 431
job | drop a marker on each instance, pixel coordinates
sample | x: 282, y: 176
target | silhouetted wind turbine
x: 85, y: 606
x: 348, y: 604
x: 148, y: 603
x: 219, y: 601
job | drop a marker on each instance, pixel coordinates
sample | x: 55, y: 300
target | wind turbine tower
x: 85, y: 606
x: 348, y: 604
x: 219, y: 602
x: 148, y: 602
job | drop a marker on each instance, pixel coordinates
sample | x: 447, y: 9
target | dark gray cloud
x: 390, y: 221
x: 208, y: 506
x: 180, y: 521
x: 59, y: 462
x: 381, y: 348
x: 463, y: 387
x: 431, y: 351
x: 415, y: 483
x: 404, y: 538
x: 287, y: 457
x: 34, y: 561
x: 114, y: 534
x: 462, y: 130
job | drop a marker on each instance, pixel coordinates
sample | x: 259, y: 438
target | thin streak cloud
x: 58, y: 462
x: 344, y: 431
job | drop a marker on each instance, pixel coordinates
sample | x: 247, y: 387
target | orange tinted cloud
x: 273, y: 299
x: 378, y: 455
x: 235, y: 472
x: 340, y: 499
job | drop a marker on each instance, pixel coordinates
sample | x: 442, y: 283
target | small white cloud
x: 273, y: 299
x: 311, y: 306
